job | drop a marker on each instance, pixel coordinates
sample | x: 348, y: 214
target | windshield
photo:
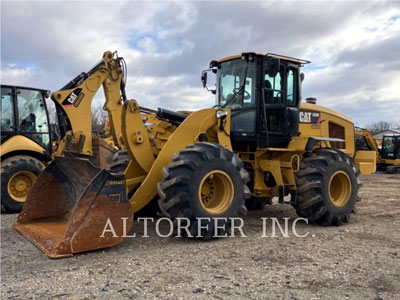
x: 390, y: 145
x: 236, y: 84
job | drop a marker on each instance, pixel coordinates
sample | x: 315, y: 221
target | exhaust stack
x: 311, y: 100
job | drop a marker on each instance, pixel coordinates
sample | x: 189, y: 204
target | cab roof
x: 282, y: 57
x: 25, y: 87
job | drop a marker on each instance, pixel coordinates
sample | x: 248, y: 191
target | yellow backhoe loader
x: 26, y: 142
x: 26, y: 136
x: 259, y: 141
x: 388, y: 157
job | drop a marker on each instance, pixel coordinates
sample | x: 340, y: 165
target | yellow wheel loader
x: 388, y: 157
x: 25, y: 143
x: 258, y: 142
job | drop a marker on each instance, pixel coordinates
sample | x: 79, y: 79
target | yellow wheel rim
x: 339, y: 188
x: 20, y: 184
x: 216, y: 192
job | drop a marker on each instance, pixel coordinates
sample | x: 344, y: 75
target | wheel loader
x: 388, y: 157
x: 258, y: 142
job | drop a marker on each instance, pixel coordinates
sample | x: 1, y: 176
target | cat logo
x: 71, y: 98
x: 74, y: 98
x: 309, y: 117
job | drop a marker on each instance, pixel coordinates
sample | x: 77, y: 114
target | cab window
x: 388, y: 147
x: 292, y: 86
x: 273, y: 89
x: 231, y: 76
x: 398, y: 147
x: 7, y: 112
x: 32, y: 115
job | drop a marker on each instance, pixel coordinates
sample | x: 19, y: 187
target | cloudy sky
x: 354, y: 47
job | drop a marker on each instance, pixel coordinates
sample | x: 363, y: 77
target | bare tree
x: 381, y: 126
x: 99, y: 117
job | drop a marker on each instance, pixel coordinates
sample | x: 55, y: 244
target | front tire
x: 327, y: 187
x: 18, y: 174
x: 208, y: 181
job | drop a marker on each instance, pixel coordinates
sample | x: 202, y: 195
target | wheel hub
x: 216, y: 192
x: 20, y: 184
x: 339, y: 188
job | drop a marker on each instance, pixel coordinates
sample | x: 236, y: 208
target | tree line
x: 378, y: 127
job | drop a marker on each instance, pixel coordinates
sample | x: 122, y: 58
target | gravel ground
x: 359, y: 260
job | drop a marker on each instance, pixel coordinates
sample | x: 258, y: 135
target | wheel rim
x: 216, y: 192
x: 20, y: 184
x: 339, y: 188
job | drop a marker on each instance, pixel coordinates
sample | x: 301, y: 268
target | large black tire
x: 180, y: 194
x: 317, y: 198
x: 27, y: 169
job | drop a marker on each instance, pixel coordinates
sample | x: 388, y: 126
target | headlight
x: 221, y: 113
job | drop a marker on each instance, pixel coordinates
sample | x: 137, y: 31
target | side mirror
x: 204, y: 79
x: 302, y: 76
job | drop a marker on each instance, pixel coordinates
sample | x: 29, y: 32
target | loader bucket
x: 75, y: 206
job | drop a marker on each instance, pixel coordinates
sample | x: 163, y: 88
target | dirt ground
x: 359, y: 260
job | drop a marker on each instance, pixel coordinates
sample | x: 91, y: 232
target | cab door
x: 279, y: 107
x: 397, y: 147
x: 390, y: 147
x: 32, y: 118
x: 8, y: 115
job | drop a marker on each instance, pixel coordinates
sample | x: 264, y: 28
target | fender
x: 21, y: 143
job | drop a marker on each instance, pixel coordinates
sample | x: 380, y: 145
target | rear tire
x: 327, y: 187
x: 18, y: 173
x: 205, y: 180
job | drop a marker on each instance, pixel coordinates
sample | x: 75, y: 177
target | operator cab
x: 391, y: 147
x: 24, y: 112
x: 263, y: 93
